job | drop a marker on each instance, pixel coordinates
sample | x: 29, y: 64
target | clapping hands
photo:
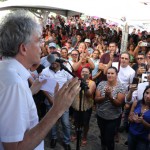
x: 108, y: 92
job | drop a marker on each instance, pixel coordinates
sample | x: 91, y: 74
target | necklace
x: 144, y: 109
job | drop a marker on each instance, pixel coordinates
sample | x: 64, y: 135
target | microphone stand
x: 84, y: 87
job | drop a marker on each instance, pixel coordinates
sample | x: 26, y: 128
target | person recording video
x: 86, y: 105
x: 20, y: 48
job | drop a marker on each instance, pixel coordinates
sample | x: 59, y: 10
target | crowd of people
x: 117, y: 83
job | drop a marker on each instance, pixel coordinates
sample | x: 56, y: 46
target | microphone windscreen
x: 51, y: 58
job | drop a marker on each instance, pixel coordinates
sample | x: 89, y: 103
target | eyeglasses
x: 140, y: 58
x: 125, y: 58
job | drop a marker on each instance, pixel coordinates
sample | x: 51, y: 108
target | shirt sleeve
x: 14, y: 117
x: 102, y: 59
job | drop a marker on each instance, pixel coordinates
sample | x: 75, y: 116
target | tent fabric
x: 131, y: 10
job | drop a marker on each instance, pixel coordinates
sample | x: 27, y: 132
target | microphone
x: 51, y: 59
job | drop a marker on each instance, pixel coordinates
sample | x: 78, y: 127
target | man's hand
x: 132, y: 87
x: 36, y: 85
x: 111, y: 56
x: 66, y: 95
x: 141, y: 70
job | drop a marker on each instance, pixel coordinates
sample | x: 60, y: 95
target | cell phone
x: 135, y: 80
x: 143, y: 65
x: 143, y: 44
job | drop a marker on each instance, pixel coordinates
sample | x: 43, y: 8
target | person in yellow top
x: 86, y: 105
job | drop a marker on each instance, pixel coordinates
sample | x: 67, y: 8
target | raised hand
x: 66, y: 95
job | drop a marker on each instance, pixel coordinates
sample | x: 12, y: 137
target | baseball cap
x: 87, y: 41
x: 52, y: 45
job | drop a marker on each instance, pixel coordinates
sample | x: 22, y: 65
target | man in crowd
x: 20, y: 48
x: 108, y: 59
x: 61, y: 77
x: 125, y: 76
x: 51, y: 48
x: 88, y: 43
x: 140, y: 65
x: 126, y: 73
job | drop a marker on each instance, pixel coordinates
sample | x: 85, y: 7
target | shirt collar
x: 19, y: 68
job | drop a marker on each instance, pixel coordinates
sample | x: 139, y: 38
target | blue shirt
x: 138, y: 129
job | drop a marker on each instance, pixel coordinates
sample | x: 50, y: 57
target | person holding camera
x: 140, y: 66
x: 109, y: 99
x: 140, y: 48
x: 86, y: 105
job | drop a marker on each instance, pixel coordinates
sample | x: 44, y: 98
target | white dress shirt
x: 18, y: 112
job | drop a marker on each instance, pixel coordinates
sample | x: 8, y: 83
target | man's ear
x: 22, y: 49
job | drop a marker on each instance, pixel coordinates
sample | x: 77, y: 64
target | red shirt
x: 78, y: 72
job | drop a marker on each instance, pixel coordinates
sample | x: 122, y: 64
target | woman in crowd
x: 64, y: 53
x: 83, y: 48
x: 86, y: 105
x: 147, y: 61
x: 100, y: 49
x: 139, y: 130
x: 131, y: 52
x: 96, y: 72
x: 84, y: 61
x: 48, y: 36
x: 109, y: 98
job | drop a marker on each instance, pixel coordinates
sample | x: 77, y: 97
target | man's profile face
x: 33, y: 49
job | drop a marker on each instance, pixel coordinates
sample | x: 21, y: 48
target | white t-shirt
x: 126, y: 75
x: 18, y: 112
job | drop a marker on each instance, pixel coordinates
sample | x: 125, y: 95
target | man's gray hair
x: 15, y: 29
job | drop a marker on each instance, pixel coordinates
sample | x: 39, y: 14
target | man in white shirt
x: 126, y: 73
x: 61, y: 77
x: 125, y: 76
x: 20, y: 47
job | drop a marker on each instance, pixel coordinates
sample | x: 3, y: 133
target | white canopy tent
x: 132, y: 10
x: 125, y: 12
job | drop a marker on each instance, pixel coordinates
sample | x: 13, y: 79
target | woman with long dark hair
x: 139, y: 130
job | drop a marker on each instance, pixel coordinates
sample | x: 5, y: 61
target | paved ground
x: 93, y: 139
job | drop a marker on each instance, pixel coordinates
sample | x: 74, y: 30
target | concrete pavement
x: 93, y: 139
